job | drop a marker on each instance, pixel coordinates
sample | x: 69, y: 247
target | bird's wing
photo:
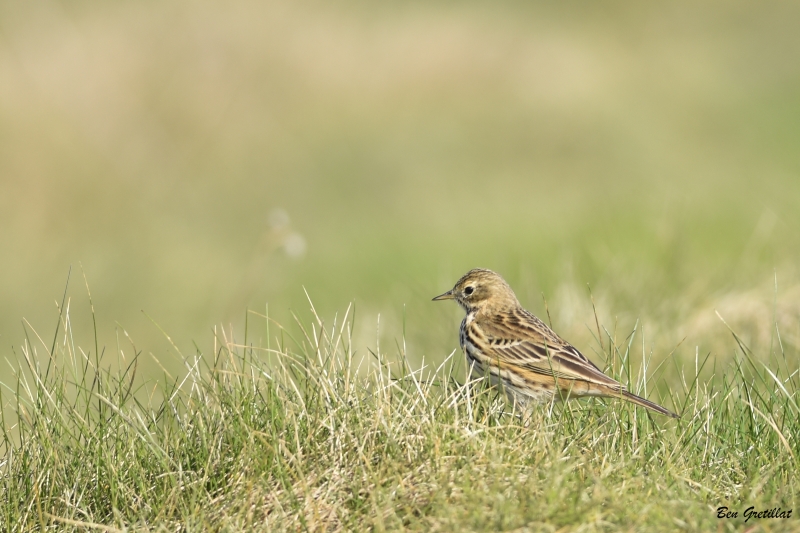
x: 520, y: 339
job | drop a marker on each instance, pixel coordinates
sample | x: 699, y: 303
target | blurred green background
x: 201, y: 158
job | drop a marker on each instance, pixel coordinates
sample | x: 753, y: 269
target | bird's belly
x: 515, y: 386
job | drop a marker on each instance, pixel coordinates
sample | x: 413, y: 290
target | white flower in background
x: 278, y: 219
x: 294, y: 245
x: 281, y: 235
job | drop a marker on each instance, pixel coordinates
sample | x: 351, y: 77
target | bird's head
x: 480, y: 288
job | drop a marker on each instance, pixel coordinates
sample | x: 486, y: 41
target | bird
x: 515, y: 349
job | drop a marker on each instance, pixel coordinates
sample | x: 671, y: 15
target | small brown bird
x: 513, y: 347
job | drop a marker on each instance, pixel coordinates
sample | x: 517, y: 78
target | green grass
x: 310, y: 432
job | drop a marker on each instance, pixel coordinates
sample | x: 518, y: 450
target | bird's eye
x: 469, y: 290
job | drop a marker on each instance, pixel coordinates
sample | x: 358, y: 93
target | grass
x: 309, y: 432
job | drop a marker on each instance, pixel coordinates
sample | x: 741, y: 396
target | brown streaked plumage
x: 510, y: 345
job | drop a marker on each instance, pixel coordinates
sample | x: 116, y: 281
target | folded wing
x: 522, y: 340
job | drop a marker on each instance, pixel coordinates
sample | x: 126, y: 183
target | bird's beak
x: 446, y: 296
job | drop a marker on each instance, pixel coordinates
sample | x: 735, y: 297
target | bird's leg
x: 522, y: 407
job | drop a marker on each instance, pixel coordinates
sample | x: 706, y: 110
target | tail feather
x: 647, y: 403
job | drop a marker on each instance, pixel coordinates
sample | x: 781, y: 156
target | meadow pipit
x: 514, y: 348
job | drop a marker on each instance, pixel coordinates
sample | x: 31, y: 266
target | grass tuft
x: 307, y: 433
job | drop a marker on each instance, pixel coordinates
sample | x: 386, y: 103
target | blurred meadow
x: 198, y: 159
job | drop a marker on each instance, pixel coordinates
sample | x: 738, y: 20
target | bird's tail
x: 647, y: 403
